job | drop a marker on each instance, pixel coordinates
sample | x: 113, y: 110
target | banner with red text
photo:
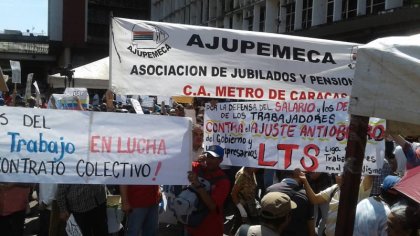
x: 61, y: 146
x: 155, y: 58
x: 307, y: 134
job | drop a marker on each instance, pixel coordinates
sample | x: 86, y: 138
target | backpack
x: 187, y: 206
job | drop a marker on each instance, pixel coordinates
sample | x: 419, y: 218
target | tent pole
x: 355, y: 154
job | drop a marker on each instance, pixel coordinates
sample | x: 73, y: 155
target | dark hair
x: 390, y: 196
x: 407, y: 216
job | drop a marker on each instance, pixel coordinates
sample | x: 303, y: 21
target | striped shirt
x: 80, y: 197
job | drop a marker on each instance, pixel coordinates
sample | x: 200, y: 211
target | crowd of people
x: 263, y: 202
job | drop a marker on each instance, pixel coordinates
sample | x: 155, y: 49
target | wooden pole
x: 355, y: 154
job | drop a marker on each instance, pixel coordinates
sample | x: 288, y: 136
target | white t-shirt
x: 371, y: 217
x: 333, y: 207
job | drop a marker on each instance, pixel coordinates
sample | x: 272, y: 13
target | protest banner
x: 147, y: 101
x: 155, y: 58
x: 28, y: 90
x: 121, y: 99
x: 68, y: 101
x: 60, y: 146
x: 136, y: 105
x: 308, y: 134
x: 16, y: 72
x: 38, y: 94
x: 167, y: 100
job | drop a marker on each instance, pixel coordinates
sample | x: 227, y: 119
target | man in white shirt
x: 332, y: 195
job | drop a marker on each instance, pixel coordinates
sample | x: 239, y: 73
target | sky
x: 24, y: 15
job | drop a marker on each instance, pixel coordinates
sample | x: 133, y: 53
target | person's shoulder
x: 277, y: 187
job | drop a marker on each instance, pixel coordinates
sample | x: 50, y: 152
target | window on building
x: 307, y: 14
x: 349, y: 9
x: 187, y: 15
x: 374, y: 6
x: 231, y: 7
x: 330, y: 11
x: 290, y: 15
x: 205, y: 10
x: 249, y: 18
x: 261, y: 27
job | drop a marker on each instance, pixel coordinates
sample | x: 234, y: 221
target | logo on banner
x: 148, y: 40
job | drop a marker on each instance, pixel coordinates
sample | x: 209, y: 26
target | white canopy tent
x: 387, y: 83
x: 94, y: 75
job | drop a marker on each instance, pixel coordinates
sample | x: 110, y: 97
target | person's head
x: 275, y: 210
x: 197, y: 136
x: 179, y: 110
x: 200, y: 119
x: 403, y: 220
x: 388, y: 193
x: 214, y: 156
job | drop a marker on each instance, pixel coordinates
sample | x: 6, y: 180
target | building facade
x: 346, y: 20
x: 78, y: 33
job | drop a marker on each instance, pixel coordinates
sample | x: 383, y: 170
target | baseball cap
x: 275, y: 205
x: 389, y: 182
x: 216, y: 151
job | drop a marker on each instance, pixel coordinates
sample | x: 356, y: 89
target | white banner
x: 147, y: 101
x: 59, y: 146
x: 16, y: 71
x: 155, y: 58
x: 136, y: 105
x: 68, y: 101
x: 310, y: 135
x: 28, y: 90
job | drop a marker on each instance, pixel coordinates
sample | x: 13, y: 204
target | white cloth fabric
x: 401, y: 160
x: 333, y: 207
x: 371, y: 217
x: 47, y: 194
